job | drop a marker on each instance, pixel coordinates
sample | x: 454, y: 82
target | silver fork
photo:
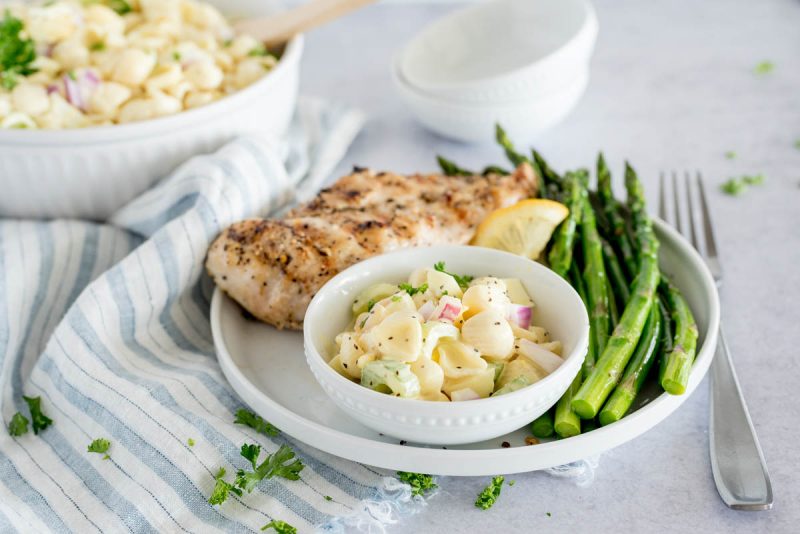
x: 737, y: 462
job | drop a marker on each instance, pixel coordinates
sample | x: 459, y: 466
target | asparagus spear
x: 518, y: 159
x: 677, y: 365
x: 451, y: 169
x: 550, y: 176
x: 613, y: 311
x: 567, y: 423
x: 614, y: 358
x: 612, y: 211
x: 542, y: 426
x: 594, y: 276
x: 616, y: 277
x: 513, y: 156
x: 494, y: 169
x: 638, y: 368
x: 560, y: 256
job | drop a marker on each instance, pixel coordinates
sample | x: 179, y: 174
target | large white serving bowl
x: 266, y: 368
x: 475, y: 122
x: 91, y: 172
x: 558, y: 308
x: 502, y: 50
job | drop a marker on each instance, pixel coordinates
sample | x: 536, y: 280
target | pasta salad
x: 444, y: 337
x: 79, y: 63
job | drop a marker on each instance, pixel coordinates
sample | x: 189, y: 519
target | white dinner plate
x: 268, y: 369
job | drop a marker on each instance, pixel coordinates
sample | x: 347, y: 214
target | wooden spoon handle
x: 280, y: 27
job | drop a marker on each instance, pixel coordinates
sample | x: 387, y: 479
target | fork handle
x: 737, y: 462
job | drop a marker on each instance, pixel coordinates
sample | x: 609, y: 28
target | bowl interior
x: 558, y: 307
x: 465, y: 47
x: 185, y: 119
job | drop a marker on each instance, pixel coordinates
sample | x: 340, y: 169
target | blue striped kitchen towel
x: 108, y: 324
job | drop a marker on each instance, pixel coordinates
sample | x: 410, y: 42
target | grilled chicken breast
x: 273, y: 267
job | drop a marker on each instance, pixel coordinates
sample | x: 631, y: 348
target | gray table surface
x: 672, y: 87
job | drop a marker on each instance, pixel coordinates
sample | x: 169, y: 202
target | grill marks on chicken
x: 273, y: 267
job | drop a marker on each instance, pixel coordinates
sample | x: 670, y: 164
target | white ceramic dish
x: 472, y: 122
x: 558, y: 308
x: 545, y: 45
x: 91, y: 172
x: 267, y: 369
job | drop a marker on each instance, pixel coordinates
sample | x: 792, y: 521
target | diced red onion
x: 449, y: 309
x: 52, y: 88
x: 545, y: 359
x: 73, y: 92
x: 519, y: 315
x: 464, y: 395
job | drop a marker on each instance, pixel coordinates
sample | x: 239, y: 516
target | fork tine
x: 678, y: 223
x: 662, y: 197
x: 708, y: 230
x: 690, y: 215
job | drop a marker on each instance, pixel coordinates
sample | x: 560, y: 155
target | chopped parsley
x: 176, y: 55
x: 396, y: 298
x: 733, y: 187
x: 100, y: 446
x: 737, y: 186
x: 99, y: 46
x: 730, y: 154
x: 259, y: 51
x: 16, y: 52
x: 420, y: 483
x: 72, y: 75
x: 39, y: 419
x: 549, y: 514
x: 222, y: 489
x: 765, y: 67
x: 190, y: 442
x: 328, y: 498
x: 280, y: 527
x: 490, y: 493
x: 511, y: 482
x: 370, y: 304
x: 256, y: 422
x: 120, y: 6
x: 797, y: 144
x: 18, y: 425
x: 462, y: 281
x: 282, y: 464
x: 408, y: 288
x: 755, y: 179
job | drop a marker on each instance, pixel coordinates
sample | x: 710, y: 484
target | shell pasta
x: 444, y: 337
x: 103, y: 62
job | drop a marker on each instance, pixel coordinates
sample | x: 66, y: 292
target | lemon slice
x: 523, y: 229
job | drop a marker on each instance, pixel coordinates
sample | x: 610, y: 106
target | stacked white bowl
x: 522, y: 63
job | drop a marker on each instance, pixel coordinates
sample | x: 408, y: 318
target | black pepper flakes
x: 505, y: 445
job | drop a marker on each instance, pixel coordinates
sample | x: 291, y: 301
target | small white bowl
x: 475, y: 122
x: 558, y: 308
x: 502, y: 50
x: 92, y: 172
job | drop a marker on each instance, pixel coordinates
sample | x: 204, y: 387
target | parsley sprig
x: 17, y: 53
x: 100, y: 446
x: 420, y: 483
x: 222, y: 488
x: 462, y: 281
x: 18, y: 425
x: 280, y: 527
x: 38, y: 418
x: 490, y: 493
x: 282, y: 463
x: 256, y: 422
x: 411, y: 290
